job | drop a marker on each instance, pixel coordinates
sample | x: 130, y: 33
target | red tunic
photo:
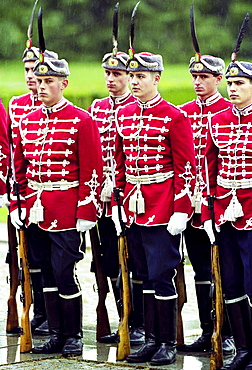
x: 154, y: 160
x: 59, y: 152
x: 102, y: 113
x: 18, y: 107
x: 4, y: 149
x: 199, y: 112
x: 229, y: 158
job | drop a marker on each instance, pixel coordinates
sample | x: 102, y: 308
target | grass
x: 3, y: 214
x: 86, y: 83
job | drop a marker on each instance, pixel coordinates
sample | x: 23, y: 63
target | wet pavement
x: 95, y: 355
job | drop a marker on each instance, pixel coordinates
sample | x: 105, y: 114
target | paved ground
x: 95, y: 355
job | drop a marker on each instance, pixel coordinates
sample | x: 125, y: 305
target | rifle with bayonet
x: 123, y: 345
x: 12, y: 325
x: 216, y: 355
x: 102, y: 325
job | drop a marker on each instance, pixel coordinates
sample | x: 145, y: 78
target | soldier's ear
x: 64, y: 83
x: 157, y: 78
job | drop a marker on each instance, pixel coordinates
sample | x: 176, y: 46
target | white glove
x: 17, y: 221
x: 84, y: 225
x: 208, y: 226
x: 1, y: 201
x: 177, y: 223
x: 6, y: 201
x: 115, y: 218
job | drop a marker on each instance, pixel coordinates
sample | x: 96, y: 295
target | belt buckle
x: 64, y: 186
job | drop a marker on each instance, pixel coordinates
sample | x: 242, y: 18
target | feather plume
x: 115, y: 29
x: 242, y: 32
x: 132, y: 26
x: 30, y: 27
x: 40, y: 32
x: 193, y: 31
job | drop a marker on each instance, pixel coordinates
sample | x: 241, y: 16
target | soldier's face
x: 116, y: 81
x: 239, y: 91
x: 30, y: 78
x: 50, y: 89
x: 144, y: 84
x: 205, y: 84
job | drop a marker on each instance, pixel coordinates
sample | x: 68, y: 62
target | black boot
x: 203, y: 343
x: 72, y: 318
x: 146, y: 352
x: 167, y: 327
x: 113, y: 337
x: 38, y: 301
x: 56, y: 341
x: 240, y: 321
x: 228, y: 345
x: 136, y: 319
x: 43, y: 329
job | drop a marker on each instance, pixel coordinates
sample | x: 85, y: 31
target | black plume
x: 243, y: 29
x: 132, y: 26
x: 193, y: 31
x: 115, y: 25
x: 30, y: 27
x: 40, y: 32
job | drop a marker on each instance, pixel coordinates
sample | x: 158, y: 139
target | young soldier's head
x: 51, y: 76
x: 206, y: 75
x: 239, y: 83
x: 145, y: 72
x: 115, y: 73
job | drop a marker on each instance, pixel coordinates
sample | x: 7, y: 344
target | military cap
x: 239, y: 69
x: 118, y: 61
x: 145, y: 61
x: 51, y: 67
x: 207, y: 64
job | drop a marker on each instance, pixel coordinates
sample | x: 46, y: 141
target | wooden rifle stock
x: 102, y: 326
x: 182, y: 299
x: 123, y: 345
x: 216, y: 356
x: 12, y: 259
x: 26, y: 297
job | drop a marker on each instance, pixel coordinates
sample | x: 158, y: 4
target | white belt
x: 234, y: 184
x: 50, y: 186
x: 149, y: 179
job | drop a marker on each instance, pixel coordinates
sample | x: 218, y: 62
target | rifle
x: 24, y: 279
x: 12, y: 259
x: 216, y: 356
x: 123, y: 345
x: 102, y: 325
x: 182, y: 299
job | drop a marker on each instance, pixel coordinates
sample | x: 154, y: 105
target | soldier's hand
x: 177, y: 223
x: 16, y: 220
x: 208, y: 226
x: 84, y: 225
x: 115, y: 218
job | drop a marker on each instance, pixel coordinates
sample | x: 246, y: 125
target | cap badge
x: 112, y: 62
x: 43, y: 69
x: 30, y: 55
x: 234, y: 71
x: 198, y: 66
x: 133, y: 64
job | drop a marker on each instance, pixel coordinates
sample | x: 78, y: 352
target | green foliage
x: 80, y: 30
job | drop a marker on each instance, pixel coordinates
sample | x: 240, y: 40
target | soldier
x: 155, y: 168
x: 206, y: 74
x: 4, y: 155
x: 228, y: 154
x: 102, y: 112
x: 58, y: 167
x: 18, y: 107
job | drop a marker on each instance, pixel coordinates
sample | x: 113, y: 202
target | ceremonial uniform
x: 228, y: 158
x: 155, y: 168
x: 58, y: 166
x: 102, y: 112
